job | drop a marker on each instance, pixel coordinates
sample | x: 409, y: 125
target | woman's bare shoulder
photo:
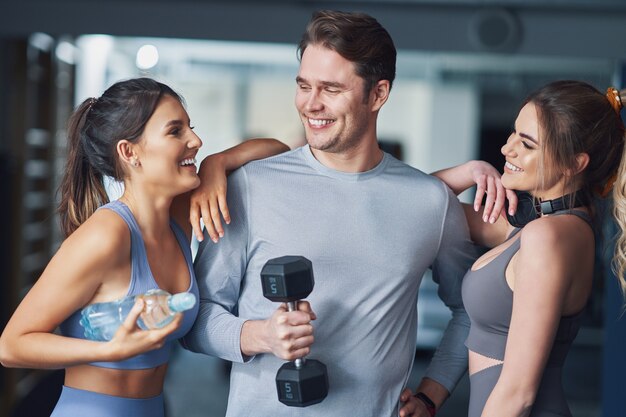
x: 104, y: 235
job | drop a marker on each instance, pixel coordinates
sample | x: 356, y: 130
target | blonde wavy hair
x: 617, y: 100
x: 619, y: 212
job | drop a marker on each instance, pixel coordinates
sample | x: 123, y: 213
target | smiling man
x: 370, y: 224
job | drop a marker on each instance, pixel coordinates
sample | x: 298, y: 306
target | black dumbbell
x: 288, y: 279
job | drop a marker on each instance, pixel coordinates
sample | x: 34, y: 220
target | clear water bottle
x: 101, y: 320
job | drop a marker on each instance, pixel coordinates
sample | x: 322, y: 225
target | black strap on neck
x: 530, y: 208
x: 565, y: 202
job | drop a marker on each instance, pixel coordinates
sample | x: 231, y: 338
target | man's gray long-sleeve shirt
x: 370, y: 236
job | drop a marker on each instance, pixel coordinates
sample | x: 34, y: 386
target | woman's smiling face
x: 168, y: 148
x: 528, y: 167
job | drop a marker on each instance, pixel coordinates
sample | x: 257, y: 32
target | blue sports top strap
x: 141, y: 279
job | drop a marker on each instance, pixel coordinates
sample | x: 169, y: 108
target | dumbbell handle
x: 293, y: 306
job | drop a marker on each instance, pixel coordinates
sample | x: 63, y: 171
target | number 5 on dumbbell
x: 288, y: 279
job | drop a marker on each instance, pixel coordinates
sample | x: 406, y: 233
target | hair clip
x: 608, y: 187
x: 92, y: 101
x: 612, y: 94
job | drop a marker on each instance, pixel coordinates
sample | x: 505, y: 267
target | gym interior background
x: 463, y: 68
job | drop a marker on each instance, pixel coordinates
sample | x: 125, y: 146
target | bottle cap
x: 182, y: 301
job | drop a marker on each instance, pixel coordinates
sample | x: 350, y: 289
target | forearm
x: 458, y: 178
x: 253, y: 338
x: 52, y: 351
x: 250, y: 150
x: 449, y: 362
x: 216, y: 332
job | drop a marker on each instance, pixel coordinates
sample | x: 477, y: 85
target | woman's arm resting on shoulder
x: 488, y: 186
x: 209, y: 199
x: 487, y: 181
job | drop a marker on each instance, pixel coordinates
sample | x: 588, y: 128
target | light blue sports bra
x: 142, y: 280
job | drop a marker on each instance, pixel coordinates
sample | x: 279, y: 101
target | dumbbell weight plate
x: 304, y: 386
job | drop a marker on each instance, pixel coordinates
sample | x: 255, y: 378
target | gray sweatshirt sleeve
x: 220, y: 268
x: 455, y: 256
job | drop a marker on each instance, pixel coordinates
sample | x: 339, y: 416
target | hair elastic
x: 612, y: 94
x: 604, y: 191
x: 92, y: 101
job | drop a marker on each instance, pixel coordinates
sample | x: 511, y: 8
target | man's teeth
x: 188, y: 161
x: 320, y: 122
x: 513, y: 167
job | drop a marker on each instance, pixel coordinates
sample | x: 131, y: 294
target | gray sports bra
x: 488, y: 300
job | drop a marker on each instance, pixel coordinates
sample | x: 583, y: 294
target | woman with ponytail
x: 139, y: 133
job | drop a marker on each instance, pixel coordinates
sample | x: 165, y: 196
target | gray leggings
x: 550, y: 401
x: 75, y: 403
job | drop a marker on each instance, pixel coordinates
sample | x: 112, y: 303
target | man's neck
x: 361, y: 158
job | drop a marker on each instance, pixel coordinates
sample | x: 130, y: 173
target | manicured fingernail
x: 214, y: 239
x: 484, y: 218
x: 511, y: 212
x: 492, y: 220
x: 221, y: 234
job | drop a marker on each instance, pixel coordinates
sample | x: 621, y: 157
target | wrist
x: 471, y: 166
x: 106, y: 352
x: 428, y: 403
x: 474, y: 168
x: 252, y: 341
x: 214, y: 160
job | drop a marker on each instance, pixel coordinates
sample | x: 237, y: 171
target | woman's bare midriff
x: 129, y: 383
x: 478, y: 362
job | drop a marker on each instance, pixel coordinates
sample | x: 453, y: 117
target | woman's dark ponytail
x: 82, y: 188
